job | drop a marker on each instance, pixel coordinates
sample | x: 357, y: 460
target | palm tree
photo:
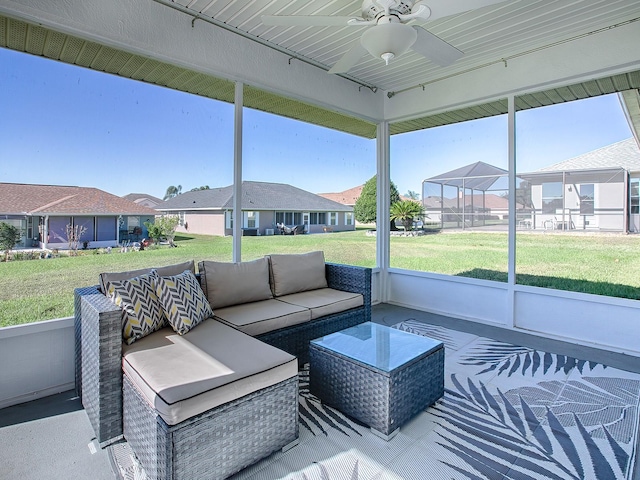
x: 172, y: 192
x: 413, y: 195
x: 406, y: 211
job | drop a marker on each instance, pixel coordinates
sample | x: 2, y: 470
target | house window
x: 289, y: 218
x: 333, y: 218
x: 634, y: 192
x: 586, y: 199
x: 318, y: 218
x: 348, y: 218
x: 181, y: 219
x: 133, y: 222
x: 228, y: 219
x: 551, y: 197
x: 250, y: 219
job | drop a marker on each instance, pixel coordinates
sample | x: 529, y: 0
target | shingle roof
x: 255, y: 196
x: 347, y: 197
x: 624, y: 154
x: 19, y: 198
x: 141, y: 197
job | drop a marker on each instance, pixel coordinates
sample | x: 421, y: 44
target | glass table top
x: 378, y: 346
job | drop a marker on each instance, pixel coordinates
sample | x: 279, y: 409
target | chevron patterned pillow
x: 142, y: 313
x: 183, y: 301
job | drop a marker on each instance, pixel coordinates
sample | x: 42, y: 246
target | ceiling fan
x: 389, y: 34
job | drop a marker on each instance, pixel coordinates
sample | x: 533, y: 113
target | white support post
x: 511, y: 263
x: 237, y: 174
x: 382, y: 212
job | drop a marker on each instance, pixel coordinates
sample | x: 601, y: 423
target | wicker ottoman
x: 378, y: 375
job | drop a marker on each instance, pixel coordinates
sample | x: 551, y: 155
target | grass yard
x: 36, y: 290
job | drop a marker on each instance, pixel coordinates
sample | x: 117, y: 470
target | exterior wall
x: 609, y: 200
x: 37, y: 360
x: 577, y: 317
x: 203, y: 223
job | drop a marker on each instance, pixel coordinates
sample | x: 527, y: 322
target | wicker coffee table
x: 378, y: 375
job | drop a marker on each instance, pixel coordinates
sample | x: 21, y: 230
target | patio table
x: 378, y: 375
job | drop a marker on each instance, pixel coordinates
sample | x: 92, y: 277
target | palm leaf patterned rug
x: 508, y: 412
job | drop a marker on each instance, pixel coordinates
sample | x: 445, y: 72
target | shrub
x: 9, y: 238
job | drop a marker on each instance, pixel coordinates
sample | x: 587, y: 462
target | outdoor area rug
x: 508, y: 412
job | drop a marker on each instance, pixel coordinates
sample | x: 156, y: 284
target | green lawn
x: 37, y: 290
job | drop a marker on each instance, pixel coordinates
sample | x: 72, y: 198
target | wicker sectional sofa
x: 209, y: 399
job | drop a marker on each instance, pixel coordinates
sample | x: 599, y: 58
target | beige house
x: 264, y: 206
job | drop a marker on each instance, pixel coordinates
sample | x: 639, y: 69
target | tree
x: 413, y: 195
x: 74, y: 234
x: 9, y: 238
x: 172, y: 191
x: 163, y: 227
x: 203, y: 187
x: 365, y: 209
x: 406, y: 211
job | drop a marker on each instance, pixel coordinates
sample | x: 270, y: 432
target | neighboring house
x: 42, y: 213
x: 144, y: 199
x: 348, y: 197
x: 264, y: 205
x: 598, y: 190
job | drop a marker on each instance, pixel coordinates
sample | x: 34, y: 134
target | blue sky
x: 73, y: 126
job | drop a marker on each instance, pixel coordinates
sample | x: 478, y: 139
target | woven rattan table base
x: 382, y: 400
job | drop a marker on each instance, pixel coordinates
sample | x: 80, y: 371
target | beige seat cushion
x: 183, y: 376
x: 105, y: 278
x: 261, y: 317
x: 324, y: 301
x: 292, y: 273
x: 227, y: 283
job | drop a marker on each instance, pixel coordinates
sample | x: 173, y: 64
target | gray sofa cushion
x: 324, y: 301
x: 257, y: 318
x: 183, y: 376
x: 105, y: 278
x: 292, y: 273
x: 227, y: 283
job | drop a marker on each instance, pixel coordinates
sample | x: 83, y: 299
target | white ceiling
x: 488, y: 35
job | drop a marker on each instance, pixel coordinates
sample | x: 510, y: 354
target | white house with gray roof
x: 598, y: 190
x: 209, y: 212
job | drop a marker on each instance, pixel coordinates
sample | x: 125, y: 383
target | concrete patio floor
x: 52, y: 438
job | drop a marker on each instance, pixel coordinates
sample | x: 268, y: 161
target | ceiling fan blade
x: 435, y: 49
x: 444, y: 8
x: 305, y: 20
x: 349, y: 59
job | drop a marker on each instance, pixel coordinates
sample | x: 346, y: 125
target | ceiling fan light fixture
x: 388, y: 40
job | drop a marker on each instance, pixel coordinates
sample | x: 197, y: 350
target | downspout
x: 625, y: 205
x: 564, y: 197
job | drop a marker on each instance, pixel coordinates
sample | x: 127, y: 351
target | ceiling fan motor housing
x: 375, y: 9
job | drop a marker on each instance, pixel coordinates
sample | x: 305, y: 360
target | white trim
x: 237, y: 173
x: 382, y: 209
x: 36, y: 327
